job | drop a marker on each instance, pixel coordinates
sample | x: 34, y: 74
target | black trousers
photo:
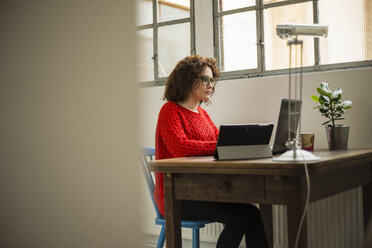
x: 239, y: 220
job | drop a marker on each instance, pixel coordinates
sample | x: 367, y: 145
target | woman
x: 185, y: 129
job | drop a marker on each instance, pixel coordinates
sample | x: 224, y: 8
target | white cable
x: 306, y: 202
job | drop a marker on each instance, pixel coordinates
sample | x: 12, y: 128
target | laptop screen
x: 282, y: 127
x: 243, y: 141
x: 244, y: 134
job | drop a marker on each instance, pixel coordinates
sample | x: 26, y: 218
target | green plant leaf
x: 340, y: 119
x: 322, y: 110
x: 321, y: 101
x: 322, y: 91
x: 316, y: 107
x: 323, y: 98
x: 335, y: 101
x: 325, y: 87
x: 346, y: 104
x: 315, y: 98
x: 337, y: 93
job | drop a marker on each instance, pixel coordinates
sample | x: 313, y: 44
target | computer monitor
x: 282, y: 128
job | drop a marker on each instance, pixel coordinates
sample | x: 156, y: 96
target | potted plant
x: 333, y: 108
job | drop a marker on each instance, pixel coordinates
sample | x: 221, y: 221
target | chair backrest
x: 148, y: 154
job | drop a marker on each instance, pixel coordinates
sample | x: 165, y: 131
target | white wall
x: 68, y: 116
x: 257, y: 100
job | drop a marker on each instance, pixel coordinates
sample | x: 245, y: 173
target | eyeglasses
x: 208, y: 81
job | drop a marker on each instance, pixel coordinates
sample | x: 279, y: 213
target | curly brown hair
x: 186, y: 75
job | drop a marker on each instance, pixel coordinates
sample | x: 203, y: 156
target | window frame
x: 158, y: 81
x: 261, y: 71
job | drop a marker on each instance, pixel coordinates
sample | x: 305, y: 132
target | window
x: 165, y: 34
x: 246, y: 43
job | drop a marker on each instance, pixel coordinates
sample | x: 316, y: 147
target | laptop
x: 239, y: 141
x: 282, y: 128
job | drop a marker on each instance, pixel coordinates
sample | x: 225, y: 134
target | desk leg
x: 267, y: 218
x: 367, y: 202
x: 172, y: 214
x: 294, y: 214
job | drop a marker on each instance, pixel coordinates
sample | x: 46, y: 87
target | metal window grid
x: 155, y: 26
x: 260, y: 71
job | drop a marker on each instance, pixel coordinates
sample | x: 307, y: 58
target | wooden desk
x: 265, y: 182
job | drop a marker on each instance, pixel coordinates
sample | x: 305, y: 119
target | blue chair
x: 148, y: 154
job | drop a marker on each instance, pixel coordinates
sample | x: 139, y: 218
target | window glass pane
x: 234, y: 4
x: 144, y: 12
x: 275, y: 1
x: 238, y: 41
x: 349, y: 35
x: 173, y: 9
x: 276, y: 49
x: 174, y: 45
x: 145, y: 53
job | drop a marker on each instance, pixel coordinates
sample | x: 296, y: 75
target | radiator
x: 335, y: 222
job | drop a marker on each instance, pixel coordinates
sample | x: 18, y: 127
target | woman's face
x: 200, y: 91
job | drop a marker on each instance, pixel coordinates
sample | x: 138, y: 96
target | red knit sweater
x: 180, y: 133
